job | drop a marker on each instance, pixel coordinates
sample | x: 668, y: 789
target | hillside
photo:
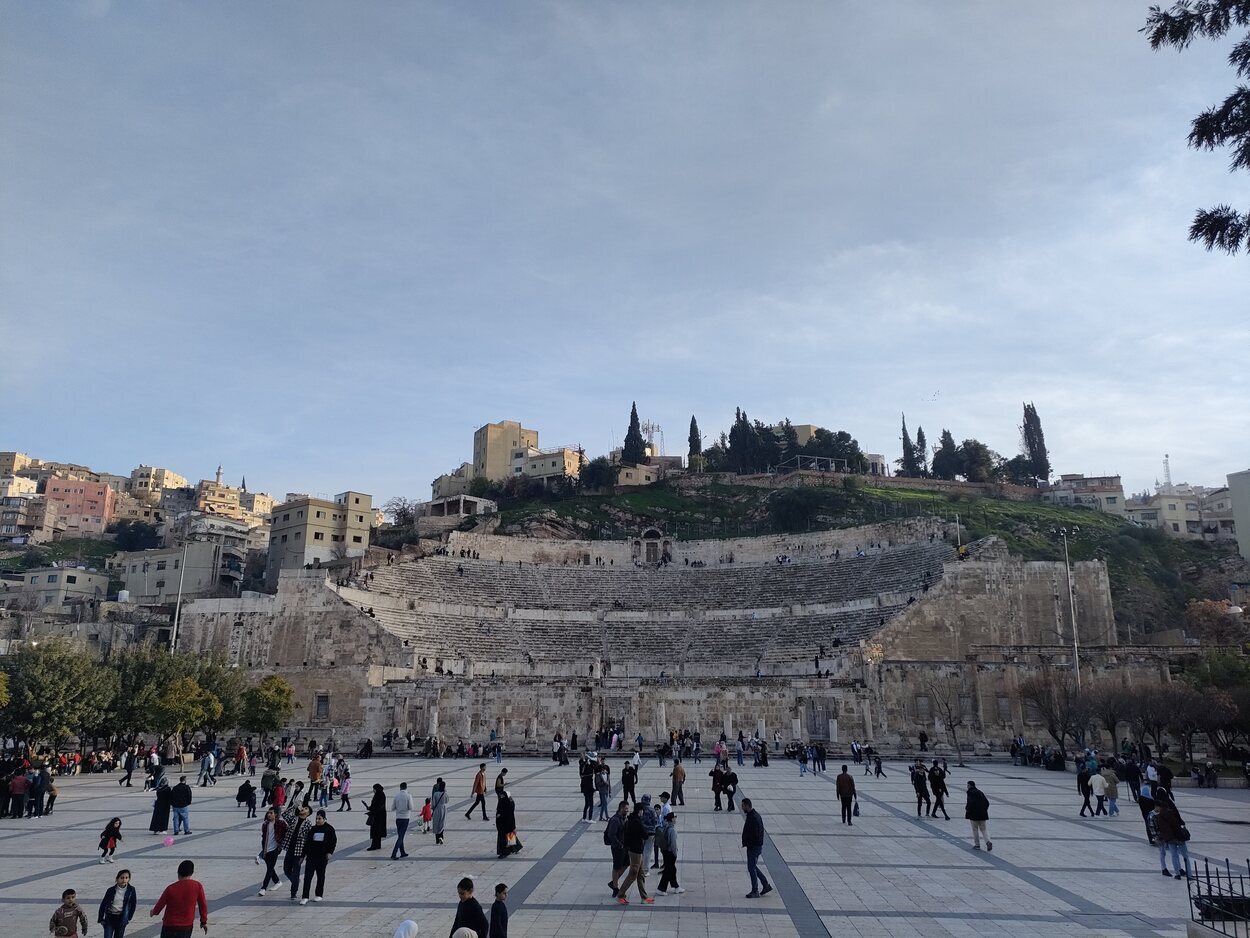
x: 1152, y: 576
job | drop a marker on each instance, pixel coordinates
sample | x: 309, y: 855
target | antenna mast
x: 1167, y: 474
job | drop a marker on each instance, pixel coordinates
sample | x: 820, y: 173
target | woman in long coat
x: 505, y: 824
x: 377, y: 818
x: 438, y: 805
x: 160, y: 808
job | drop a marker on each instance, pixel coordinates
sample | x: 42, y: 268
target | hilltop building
x: 307, y: 531
x: 1102, y: 493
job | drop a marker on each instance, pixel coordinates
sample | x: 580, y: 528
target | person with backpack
x: 635, y: 840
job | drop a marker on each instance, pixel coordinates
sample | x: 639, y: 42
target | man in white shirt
x: 402, y: 808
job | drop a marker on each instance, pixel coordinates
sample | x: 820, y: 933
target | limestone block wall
x: 1002, y: 602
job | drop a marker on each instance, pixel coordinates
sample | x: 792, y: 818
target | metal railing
x: 1219, y: 898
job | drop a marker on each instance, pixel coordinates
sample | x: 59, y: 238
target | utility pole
x: 182, y: 572
x: 1076, y: 645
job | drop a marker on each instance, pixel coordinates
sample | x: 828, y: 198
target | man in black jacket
x: 180, y: 801
x: 977, y: 811
x: 614, y: 836
x: 753, y: 840
x: 635, y: 840
x: 469, y: 912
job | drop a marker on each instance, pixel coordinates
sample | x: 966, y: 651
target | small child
x: 117, y: 907
x: 109, y: 839
x: 251, y: 767
x: 247, y: 795
x: 499, y: 912
x: 427, y: 815
x: 67, y: 917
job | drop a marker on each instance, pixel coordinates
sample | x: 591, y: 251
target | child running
x: 109, y: 839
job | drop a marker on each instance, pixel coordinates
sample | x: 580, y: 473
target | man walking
x: 679, y: 779
x: 180, y: 803
x: 180, y: 901
x: 937, y: 781
x: 1083, y: 787
x: 478, y: 792
x: 207, y: 762
x: 977, y: 811
x: 920, y: 782
x: 666, y: 837
x: 402, y: 806
x: 129, y: 766
x: 845, y: 786
x: 753, y: 840
x: 297, y: 825
x: 614, y: 837
x: 635, y: 839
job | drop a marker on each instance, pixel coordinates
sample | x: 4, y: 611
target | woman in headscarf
x: 505, y: 824
x: 377, y: 818
x: 160, y: 807
x: 438, y: 805
x: 406, y: 929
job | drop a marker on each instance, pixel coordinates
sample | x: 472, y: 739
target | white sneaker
x: 680, y: 890
x: 316, y: 898
x: 110, y: 859
x: 261, y: 893
x: 303, y: 902
x: 103, y: 860
x: 661, y: 892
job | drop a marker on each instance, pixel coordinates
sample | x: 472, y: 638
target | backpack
x: 649, y: 822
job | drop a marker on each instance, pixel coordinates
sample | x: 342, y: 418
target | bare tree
x: 1064, y: 708
x: 1152, y: 715
x: 1112, y: 705
x: 402, y: 511
x: 947, y: 695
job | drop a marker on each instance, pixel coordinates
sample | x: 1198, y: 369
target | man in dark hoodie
x: 977, y: 811
x: 469, y: 912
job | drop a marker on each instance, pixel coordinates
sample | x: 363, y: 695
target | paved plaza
x: 889, y: 875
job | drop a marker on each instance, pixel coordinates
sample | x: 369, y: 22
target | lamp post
x: 1076, y: 644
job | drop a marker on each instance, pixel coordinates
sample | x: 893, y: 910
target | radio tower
x: 649, y: 431
x: 1167, y: 475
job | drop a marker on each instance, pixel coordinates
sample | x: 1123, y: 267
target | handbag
x: 510, y: 839
x: 855, y: 809
x: 1184, y: 834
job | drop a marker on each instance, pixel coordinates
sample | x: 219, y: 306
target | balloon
x: 169, y: 841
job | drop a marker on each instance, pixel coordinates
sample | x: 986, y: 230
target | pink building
x: 85, y: 507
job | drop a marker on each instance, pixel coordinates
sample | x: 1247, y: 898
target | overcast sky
x: 320, y: 243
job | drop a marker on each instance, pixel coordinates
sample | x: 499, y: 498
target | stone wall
x: 746, y: 550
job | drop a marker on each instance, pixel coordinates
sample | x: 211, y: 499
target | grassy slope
x: 90, y: 553
x: 1152, y: 576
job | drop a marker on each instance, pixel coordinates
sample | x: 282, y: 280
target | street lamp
x: 1076, y: 645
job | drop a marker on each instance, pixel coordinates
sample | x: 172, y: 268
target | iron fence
x: 1219, y: 898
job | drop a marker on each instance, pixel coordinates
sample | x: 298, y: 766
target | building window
x: 321, y: 707
x: 1032, y: 715
x: 1110, y: 499
x: 297, y: 535
x: 1175, y: 526
x: 284, y: 539
x: 923, y: 712
x: 1004, y: 710
x: 160, y: 565
x: 53, y: 577
x: 318, y: 536
x: 160, y: 584
x: 134, y: 568
x: 357, y: 501
x: 177, y: 562
x: 356, y: 539
x: 70, y: 578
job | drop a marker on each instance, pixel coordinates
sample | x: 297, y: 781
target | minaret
x: 243, y: 485
x: 219, y: 473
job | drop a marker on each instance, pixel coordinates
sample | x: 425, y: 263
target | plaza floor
x: 889, y: 875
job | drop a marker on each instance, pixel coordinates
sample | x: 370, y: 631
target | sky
x: 320, y: 243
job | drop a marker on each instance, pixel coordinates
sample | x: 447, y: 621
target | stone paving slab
x: 890, y: 876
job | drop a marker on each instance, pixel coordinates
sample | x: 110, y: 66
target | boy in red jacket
x: 180, y: 900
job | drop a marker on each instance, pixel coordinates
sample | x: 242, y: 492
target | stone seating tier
x: 578, y: 587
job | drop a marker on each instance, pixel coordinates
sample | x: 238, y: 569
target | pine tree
x: 946, y: 461
x: 634, y: 451
x: 922, y: 452
x: 1033, y: 444
x: 696, y: 446
x: 908, y: 462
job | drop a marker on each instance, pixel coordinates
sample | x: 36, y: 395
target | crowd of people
x: 296, y: 840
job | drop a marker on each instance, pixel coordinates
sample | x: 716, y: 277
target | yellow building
x: 546, y: 465
x: 451, y: 484
x: 493, y: 445
x: 147, y: 483
x: 307, y: 531
x: 14, y: 462
x: 129, y: 508
x: 12, y: 486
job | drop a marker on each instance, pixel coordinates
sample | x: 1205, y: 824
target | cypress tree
x: 946, y: 460
x: 922, y: 452
x: 1033, y: 442
x: 634, y: 450
x: 908, y: 462
x: 696, y: 445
